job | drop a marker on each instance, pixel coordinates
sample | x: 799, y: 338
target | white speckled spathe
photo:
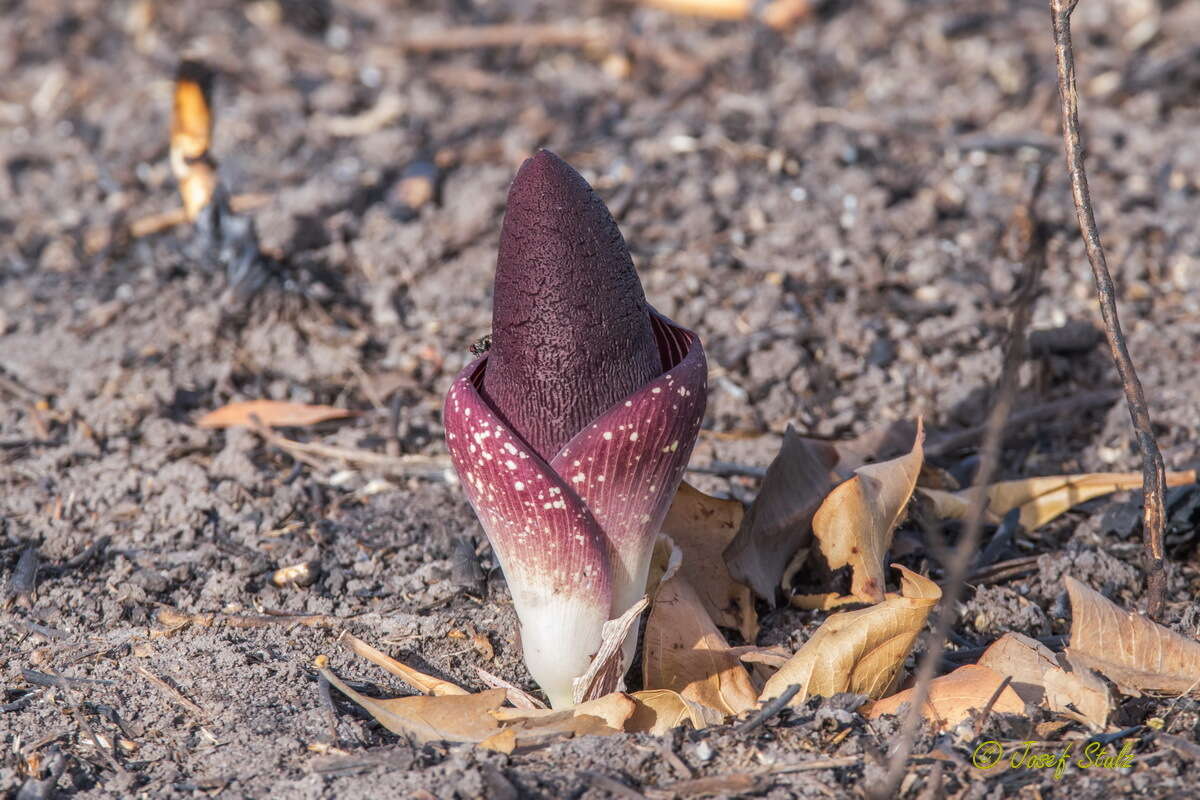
x: 574, y: 536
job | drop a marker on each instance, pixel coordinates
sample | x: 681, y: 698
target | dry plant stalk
x: 220, y: 235
x: 1031, y: 251
x: 777, y: 14
x: 191, y: 133
x: 1153, y: 470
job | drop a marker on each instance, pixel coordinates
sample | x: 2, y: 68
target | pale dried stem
x: 1032, y: 255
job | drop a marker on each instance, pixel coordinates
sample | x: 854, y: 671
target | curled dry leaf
x: 1037, y: 677
x: 953, y: 697
x: 703, y: 527
x: 859, y: 651
x: 272, y: 413
x: 1134, y: 652
x: 449, y: 718
x: 655, y: 711
x: 779, y: 522
x: 502, y: 741
x: 660, y: 710
x: 879, y: 443
x: 665, y: 562
x: 426, y: 684
x: 773, y: 656
x: 516, y: 695
x: 603, y: 716
x: 606, y: 673
x: 1045, y: 498
x: 855, y: 523
x: 685, y: 652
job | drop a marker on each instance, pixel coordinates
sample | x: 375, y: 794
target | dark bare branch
x: 1153, y: 471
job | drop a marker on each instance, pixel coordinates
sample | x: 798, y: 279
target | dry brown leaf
x: 779, y: 521
x: 272, y: 413
x: 426, y: 684
x: 880, y: 443
x: 1038, y: 677
x: 516, y: 695
x: 449, y: 718
x: 502, y: 741
x: 859, y: 651
x: 1079, y: 693
x: 483, y: 646
x: 855, y: 523
x: 665, y: 561
x: 1134, y: 652
x: 774, y: 656
x: 1044, y: 498
x: 660, y: 710
x: 686, y: 653
x: 603, y: 716
x: 1023, y: 659
x: 702, y: 527
x: 606, y: 673
x: 952, y: 697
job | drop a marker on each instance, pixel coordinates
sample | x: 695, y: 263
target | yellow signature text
x: 1026, y: 755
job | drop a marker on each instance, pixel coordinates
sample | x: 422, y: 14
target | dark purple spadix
x: 571, y: 330
x: 571, y: 434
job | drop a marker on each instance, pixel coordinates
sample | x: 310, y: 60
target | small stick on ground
x: 428, y: 467
x: 982, y: 719
x: 1056, y: 409
x: 164, y: 220
x: 73, y: 705
x: 1003, y: 570
x: 777, y: 14
x: 1030, y: 249
x: 473, y: 37
x: 171, y: 692
x: 772, y: 708
x: 174, y: 620
x: 1153, y: 470
x: 23, y: 581
x: 815, y: 764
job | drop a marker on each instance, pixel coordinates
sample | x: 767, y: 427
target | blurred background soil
x: 827, y: 206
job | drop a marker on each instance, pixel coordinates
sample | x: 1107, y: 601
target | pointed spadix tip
x: 571, y: 330
x: 547, y: 185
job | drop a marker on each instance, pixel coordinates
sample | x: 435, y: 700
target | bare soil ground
x: 826, y: 207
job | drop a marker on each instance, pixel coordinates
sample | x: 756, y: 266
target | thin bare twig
x: 982, y: 719
x: 1153, y: 470
x: 769, y: 710
x: 164, y: 220
x: 778, y: 14
x: 816, y: 764
x: 1031, y: 252
x: 174, y: 620
x: 471, y: 37
x: 1056, y: 409
x: 77, y: 712
x: 171, y: 692
x: 418, y: 466
x: 1003, y: 570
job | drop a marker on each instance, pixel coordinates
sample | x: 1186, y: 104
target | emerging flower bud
x: 571, y: 330
x: 570, y: 435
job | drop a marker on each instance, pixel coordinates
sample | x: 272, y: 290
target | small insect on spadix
x: 481, y: 345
